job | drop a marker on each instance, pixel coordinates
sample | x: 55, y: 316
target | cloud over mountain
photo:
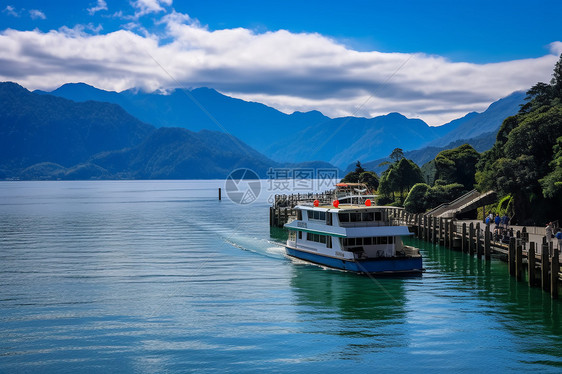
x: 289, y: 71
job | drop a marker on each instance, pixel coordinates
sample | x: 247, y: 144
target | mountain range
x: 296, y: 137
x: 49, y: 137
x: 81, y: 132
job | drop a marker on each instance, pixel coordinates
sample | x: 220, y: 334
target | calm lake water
x: 161, y: 277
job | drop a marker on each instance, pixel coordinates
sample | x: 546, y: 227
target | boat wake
x: 256, y: 245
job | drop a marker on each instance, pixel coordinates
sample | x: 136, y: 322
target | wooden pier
x: 540, y: 262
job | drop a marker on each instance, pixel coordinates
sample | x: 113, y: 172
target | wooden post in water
x: 435, y: 231
x: 511, y: 256
x: 531, y: 264
x: 464, y: 246
x: 425, y: 228
x: 451, y: 233
x: 545, y: 264
x: 487, y: 235
x: 446, y: 234
x: 518, y: 260
x: 428, y: 230
x: 478, y: 241
x: 470, y: 236
x: 554, y: 268
x: 220, y: 194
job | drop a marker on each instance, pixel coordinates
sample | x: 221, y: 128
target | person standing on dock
x: 497, y: 220
x: 559, y: 237
x: 549, y: 232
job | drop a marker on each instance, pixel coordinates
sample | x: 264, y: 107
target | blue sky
x: 435, y: 60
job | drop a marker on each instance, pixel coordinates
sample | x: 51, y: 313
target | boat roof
x: 345, y: 184
x: 343, y: 207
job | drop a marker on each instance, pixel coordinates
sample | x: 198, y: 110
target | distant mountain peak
x: 395, y: 115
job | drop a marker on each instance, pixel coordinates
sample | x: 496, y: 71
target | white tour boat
x: 352, y: 236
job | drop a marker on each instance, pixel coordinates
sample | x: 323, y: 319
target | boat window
x: 344, y: 217
x: 368, y: 217
x: 390, y: 239
x: 355, y: 217
x: 329, y: 242
x: 299, y: 215
x: 367, y: 241
x: 329, y: 219
x: 300, y: 235
x: 324, y: 239
x: 378, y: 216
x: 383, y: 240
x: 314, y: 214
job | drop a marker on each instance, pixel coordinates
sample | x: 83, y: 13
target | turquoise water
x: 160, y: 277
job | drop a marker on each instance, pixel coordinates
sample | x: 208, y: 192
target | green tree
x: 552, y: 183
x: 353, y: 176
x: 416, y: 201
x: 525, y: 160
x: 370, y: 178
x: 397, y: 154
x: 457, y: 165
x: 400, y: 177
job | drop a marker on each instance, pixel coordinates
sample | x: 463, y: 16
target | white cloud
x: 285, y: 70
x: 11, y: 11
x: 144, y: 7
x: 101, y: 5
x: 37, y: 14
x: 556, y: 48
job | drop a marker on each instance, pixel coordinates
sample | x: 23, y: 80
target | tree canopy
x: 457, y: 166
x: 525, y: 162
x: 360, y: 175
x: 400, y: 177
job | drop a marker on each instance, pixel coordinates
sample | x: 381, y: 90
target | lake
x: 161, y: 277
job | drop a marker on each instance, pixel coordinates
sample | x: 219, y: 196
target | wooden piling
x: 554, y: 269
x: 451, y: 234
x: 478, y: 241
x: 434, y: 237
x: 487, y: 237
x: 511, y: 256
x: 518, y: 260
x: 446, y: 234
x: 470, y: 236
x: 220, y: 194
x: 464, y: 246
x: 531, y: 264
x: 545, y: 264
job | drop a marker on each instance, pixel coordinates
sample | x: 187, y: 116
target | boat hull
x: 382, y: 266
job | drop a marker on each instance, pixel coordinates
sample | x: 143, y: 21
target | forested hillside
x: 525, y: 163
